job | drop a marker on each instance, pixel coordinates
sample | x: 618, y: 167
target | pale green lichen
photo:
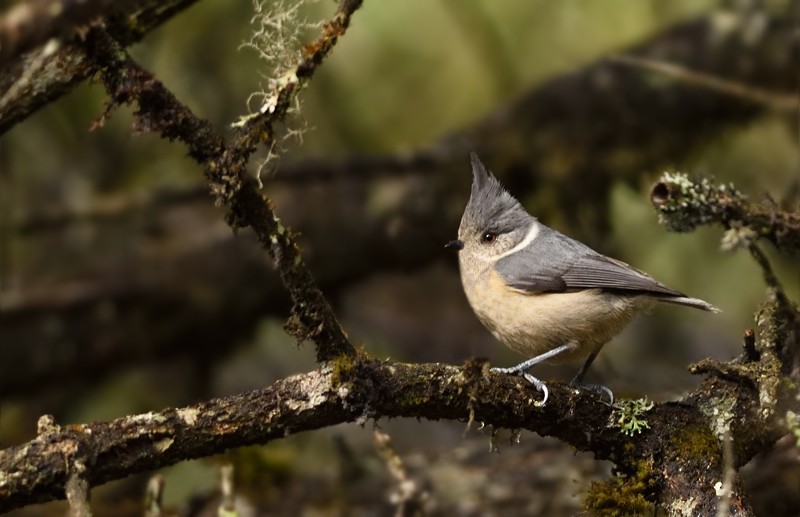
x: 683, y: 204
x: 720, y: 413
x: 278, y: 28
x: 767, y: 399
x: 738, y: 237
x: 631, y: 411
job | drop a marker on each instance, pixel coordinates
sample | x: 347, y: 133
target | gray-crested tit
x: 541, y: 293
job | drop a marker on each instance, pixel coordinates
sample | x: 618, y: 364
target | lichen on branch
x: 684, y: 204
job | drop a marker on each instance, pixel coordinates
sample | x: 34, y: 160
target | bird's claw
x: 540, y: 385
x: 597, y: 388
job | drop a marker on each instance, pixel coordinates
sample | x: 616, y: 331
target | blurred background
x: 122, y: 289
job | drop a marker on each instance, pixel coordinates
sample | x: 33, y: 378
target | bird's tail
x: 690, y: 302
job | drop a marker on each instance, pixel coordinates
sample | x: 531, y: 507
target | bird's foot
x: 538, y: 383
x: 597, y: 388
x: 522, y: 368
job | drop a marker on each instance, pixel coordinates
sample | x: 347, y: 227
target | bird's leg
x: 582, y: 372
x: 523, y: 366
x: 598, y: 388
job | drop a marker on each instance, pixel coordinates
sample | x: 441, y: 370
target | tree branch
x: 37, y: 471
x: 681, y: 453
x: 683, y: 204
x: 159, y: 110
x: 534, y: 148
x: 678, y: 457
x: 27, y: 25
x: 781, y: 102
x: 42, y: 75
x: 550, y: 138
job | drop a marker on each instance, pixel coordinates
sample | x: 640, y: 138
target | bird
x: 543, y: 294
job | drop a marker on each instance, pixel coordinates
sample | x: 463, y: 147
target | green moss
x: 623, y: 495
x: 414, y: 398
x: 694, y: 441
x: 342, y: 367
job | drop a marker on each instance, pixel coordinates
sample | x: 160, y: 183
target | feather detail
x: 689, y: 302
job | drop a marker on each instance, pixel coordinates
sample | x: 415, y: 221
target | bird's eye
x: 488, y: 237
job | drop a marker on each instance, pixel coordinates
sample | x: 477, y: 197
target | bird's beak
x: 454, y: 245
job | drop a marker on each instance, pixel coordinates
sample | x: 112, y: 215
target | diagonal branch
x: 781, y: 102
x: 36, y: 78
x: 159, y: 110
x: 679, y: 455
x: 27, y: 25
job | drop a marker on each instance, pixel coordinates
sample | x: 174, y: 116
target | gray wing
x: 556, y: 263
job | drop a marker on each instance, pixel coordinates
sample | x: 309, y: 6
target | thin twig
x: 105, y: 208
x: 153, y: 496
x: 788, y: 103
x: 408, y: 496
x: 766, y: 268
x: 77, y: 490
x: 725, y: 489
x: 227, y: 506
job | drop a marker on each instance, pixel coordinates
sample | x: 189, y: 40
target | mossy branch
x: 768, y: 366
x: 26, y: 25
x: 679, y: 454
x: 35, y: 78
x: 225, y: 165
x: 683, y: 204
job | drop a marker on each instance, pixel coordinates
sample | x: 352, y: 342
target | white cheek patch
x: 533, y: 232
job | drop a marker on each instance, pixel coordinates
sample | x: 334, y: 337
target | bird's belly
x: 532, y: 324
